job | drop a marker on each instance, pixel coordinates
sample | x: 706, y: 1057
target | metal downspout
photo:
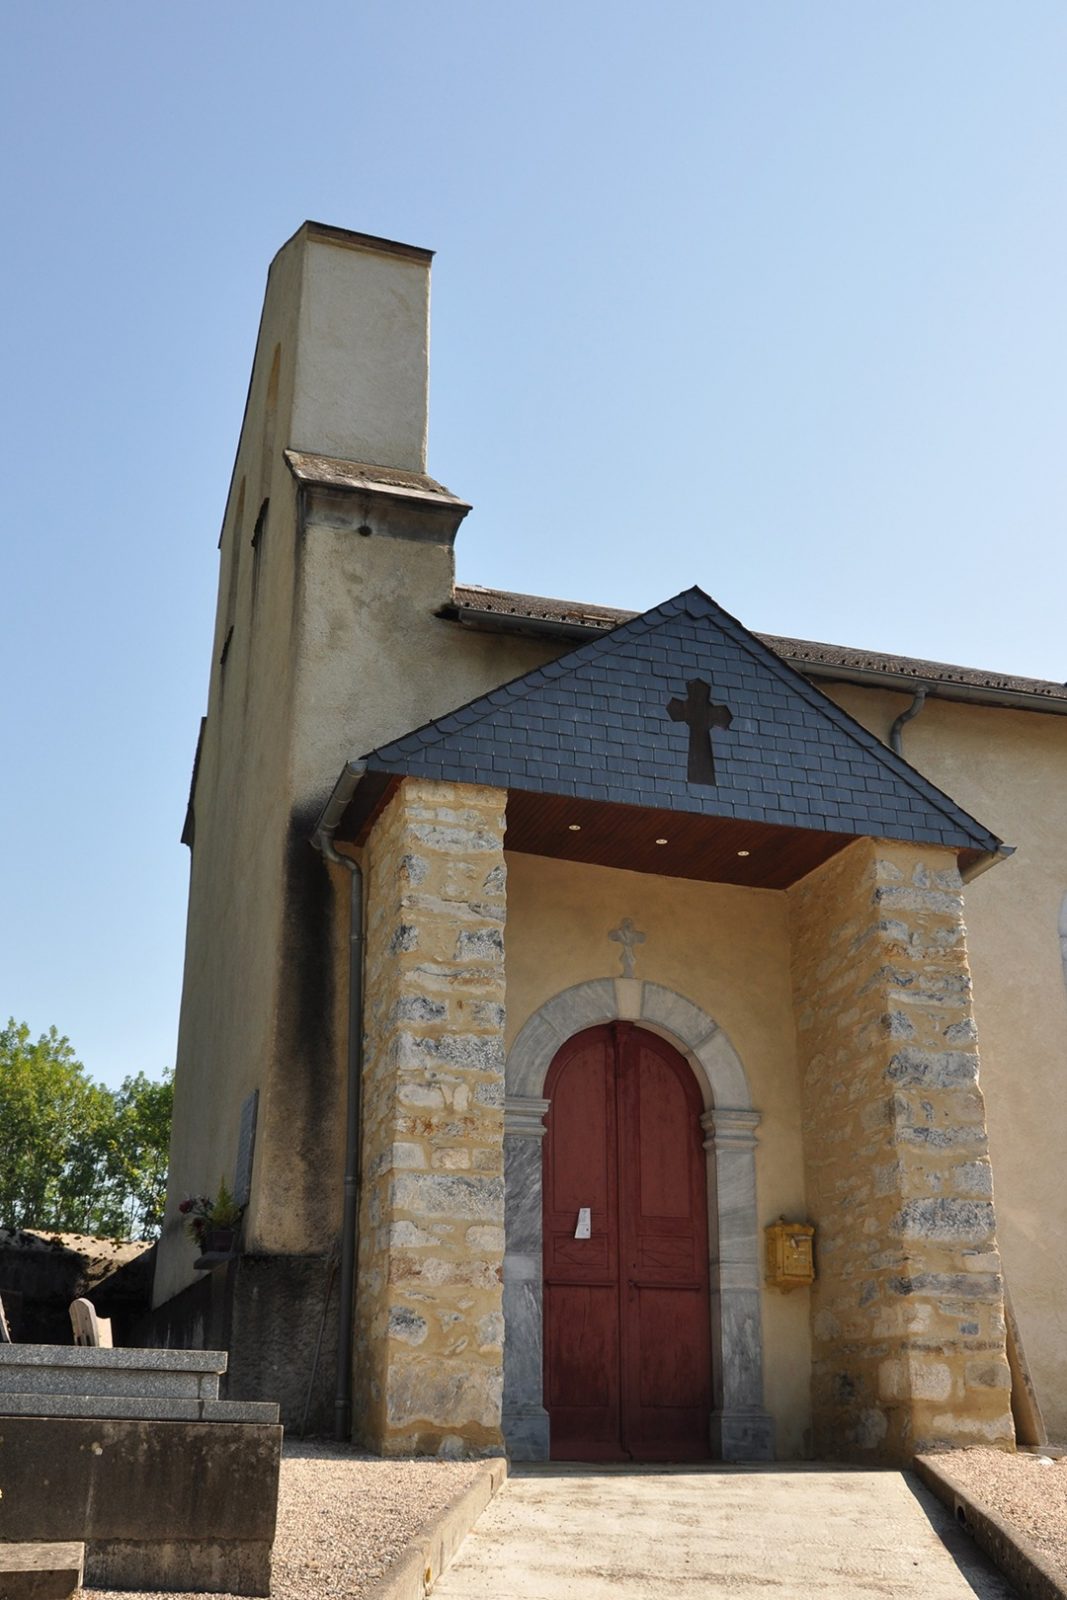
x: 323, y: 841
x: 896, y: 732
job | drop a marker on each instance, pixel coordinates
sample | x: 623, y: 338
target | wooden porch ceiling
x: 713, y: 849
x: 756, y: 855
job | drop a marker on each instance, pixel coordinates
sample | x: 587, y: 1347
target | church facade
x: 629, y: 1036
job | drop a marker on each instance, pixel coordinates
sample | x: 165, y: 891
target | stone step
x: 138, y: 1408
x: 78, y: 1370
x: 146, y: 1384
x: 41, y: 1571
x: 71, y: 1355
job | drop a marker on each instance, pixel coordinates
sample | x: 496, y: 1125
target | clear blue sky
x: 769, y: 296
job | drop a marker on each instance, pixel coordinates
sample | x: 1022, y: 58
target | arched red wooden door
x: 627, y: 1316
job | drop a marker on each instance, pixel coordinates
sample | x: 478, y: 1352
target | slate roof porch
x: 596, y: 751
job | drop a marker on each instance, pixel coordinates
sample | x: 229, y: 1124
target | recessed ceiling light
x: 744, y: 852
x: 574, y: 827
x: 661, y: 841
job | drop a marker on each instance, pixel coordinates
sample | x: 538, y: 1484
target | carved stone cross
x: 627, y: 935
x: 701, y: 714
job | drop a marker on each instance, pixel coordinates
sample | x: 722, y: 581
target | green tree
x: 137, y: 1155
x: 75, y: 1156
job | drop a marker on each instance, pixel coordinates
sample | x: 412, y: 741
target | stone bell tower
x: 335, y: 557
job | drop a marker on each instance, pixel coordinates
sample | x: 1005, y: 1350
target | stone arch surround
x: 739, y: 1426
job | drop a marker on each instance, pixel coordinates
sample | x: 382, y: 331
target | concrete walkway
x: 558, y: 1532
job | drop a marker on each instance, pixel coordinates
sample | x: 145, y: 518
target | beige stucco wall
x: 727, y: 950
x: 236, y: 877
x: 1009, y: 768
x: 362, y: 357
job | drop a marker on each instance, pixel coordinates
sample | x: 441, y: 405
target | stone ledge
x: 68, y: 1355
x: 434, y: 1547
x: 138, y: 1408
x: 140, y: 1384
x: 1021, y: 1562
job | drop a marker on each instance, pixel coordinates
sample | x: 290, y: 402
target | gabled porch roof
x: 605, y: 755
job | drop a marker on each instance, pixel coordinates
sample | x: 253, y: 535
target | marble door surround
x: 741, y: 1430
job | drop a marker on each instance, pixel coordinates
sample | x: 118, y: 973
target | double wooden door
x: 627, y: 1315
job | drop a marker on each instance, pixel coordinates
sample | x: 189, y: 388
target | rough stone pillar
x: 430, y: 1324
x: 907, y: 1309
x: 525, y: 1418
x: 741, y: 1430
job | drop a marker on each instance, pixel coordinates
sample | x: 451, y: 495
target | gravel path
x: 343, y: 1518
x: 1026, y: 1491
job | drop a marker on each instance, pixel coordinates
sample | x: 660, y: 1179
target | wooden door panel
x: 583, y: 1130
x: 591, y: 1255
x: 662, y: 1111
x: 673, y: 1257
x: 627, y: 1333
x: 581, y: 1276
x: 582, y: 1370
x: 663, y: 1249
x: 583, y: 1353
x: 673, y: 1367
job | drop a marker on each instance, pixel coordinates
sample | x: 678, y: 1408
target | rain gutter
x: 484, y: 621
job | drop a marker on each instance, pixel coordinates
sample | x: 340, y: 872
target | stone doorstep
x: 137, y: 1408
x: 130, y: 1360
x: 41, y: 1571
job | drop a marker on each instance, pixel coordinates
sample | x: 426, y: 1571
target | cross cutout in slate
x: 701, y: 715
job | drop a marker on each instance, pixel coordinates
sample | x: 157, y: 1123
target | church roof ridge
x: 810, y: 656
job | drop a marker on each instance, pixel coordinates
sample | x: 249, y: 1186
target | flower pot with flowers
x: 212, y: 1224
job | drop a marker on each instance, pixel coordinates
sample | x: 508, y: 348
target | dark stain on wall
x: 310, y: 1071
x: 277, y: 1317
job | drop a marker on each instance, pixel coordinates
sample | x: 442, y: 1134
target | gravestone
x: 133, y: 1453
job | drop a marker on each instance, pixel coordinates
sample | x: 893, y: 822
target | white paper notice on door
x: 585, y: 1223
